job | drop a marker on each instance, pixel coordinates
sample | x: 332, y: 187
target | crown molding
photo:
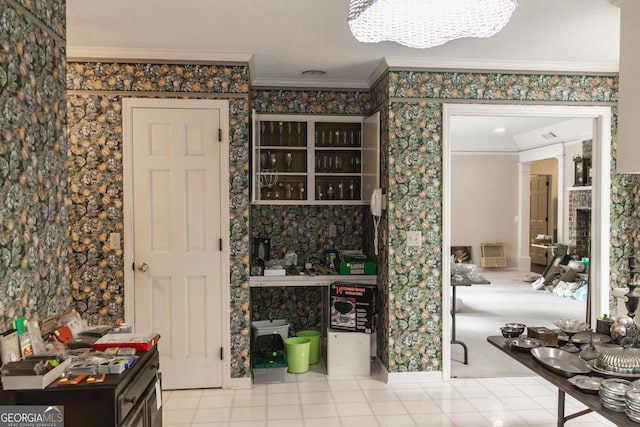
x: 304, y: 83
x: 500, y: 65
x: 81, y: 53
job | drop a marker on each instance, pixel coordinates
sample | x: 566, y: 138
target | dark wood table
x: 455, y: 282
x: 591, y: 401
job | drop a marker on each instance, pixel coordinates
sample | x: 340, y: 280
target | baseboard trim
x: 239, y: 383
x: 378, y: 370
x: 414, y: 377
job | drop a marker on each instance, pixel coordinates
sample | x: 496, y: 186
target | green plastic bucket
x: 314, y: 351
x: 297, y: 351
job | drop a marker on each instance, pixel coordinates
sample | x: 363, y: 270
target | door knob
x: 143, y: 266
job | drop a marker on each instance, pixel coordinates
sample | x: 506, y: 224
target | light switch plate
x: 414, y: 238
x: 114, y: 241
x: 333, y: 230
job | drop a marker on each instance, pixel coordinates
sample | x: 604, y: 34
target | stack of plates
x: 632, y: 404
x: 612, y: 393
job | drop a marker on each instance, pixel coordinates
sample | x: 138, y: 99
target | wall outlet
x: 414, y: 238
x: 333, y: 230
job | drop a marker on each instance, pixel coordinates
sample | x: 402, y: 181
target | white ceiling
x: 282, y: 38
x: 477, y: 133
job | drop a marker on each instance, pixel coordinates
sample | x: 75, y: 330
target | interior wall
x: 416, y: 100
x: 94, y: 96
x: 34, y: 223
x: 484, y: 203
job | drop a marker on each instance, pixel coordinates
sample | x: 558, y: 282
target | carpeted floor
x: 483, y: 309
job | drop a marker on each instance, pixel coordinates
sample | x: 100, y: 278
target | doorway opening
x: 600, y: 118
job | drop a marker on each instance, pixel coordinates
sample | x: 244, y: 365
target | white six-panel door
x: 178, y: 240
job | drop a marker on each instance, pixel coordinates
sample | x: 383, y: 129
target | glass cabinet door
x: 281, y: 163
x: 338, y: 161
x: 307, y: 159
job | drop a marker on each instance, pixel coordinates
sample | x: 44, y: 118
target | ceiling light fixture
x: 427, y: 23
x: 499, y: 130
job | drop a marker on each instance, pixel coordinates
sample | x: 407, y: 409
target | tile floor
x: 313, y: 399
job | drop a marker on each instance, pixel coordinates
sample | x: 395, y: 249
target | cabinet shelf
x: 310, y: 160
x: 279, y: 148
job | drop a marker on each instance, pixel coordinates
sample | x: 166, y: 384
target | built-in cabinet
x: 313, y: 159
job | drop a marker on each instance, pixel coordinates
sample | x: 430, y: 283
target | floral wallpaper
x: 300, y: 307
x: 96, y: 191
x: 415, y: 200
x: 303, y: 229
x: 52, y: 13
x: 291, y: 101
x: 415, y: 203
x: 33, y: 188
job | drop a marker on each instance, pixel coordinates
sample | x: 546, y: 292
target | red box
x: 139, y: 341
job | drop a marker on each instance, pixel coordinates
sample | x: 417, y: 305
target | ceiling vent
x: 549, y: 135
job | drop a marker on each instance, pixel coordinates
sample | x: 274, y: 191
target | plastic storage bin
x: 268, y: 370
x: 275, y: 326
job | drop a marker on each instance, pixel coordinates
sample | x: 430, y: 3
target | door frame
x: 128, y: 106
x: 601, y: 185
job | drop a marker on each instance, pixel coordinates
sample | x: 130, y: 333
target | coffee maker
x: 261, y: 249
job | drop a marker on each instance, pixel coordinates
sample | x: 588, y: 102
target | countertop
x: 306, y: 280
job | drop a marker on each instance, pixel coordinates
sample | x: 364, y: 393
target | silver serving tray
x: 559, y: 361
x: 586, y: 384
x: 583, y: 338
x: 592, y: 365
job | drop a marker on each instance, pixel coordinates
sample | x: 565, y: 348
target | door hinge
x: 220, y: 244
x: 219, y: 135
x: 221, y: 353
x: 133, y: 266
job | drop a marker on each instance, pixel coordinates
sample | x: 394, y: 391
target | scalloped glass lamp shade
x: 427, y: 23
